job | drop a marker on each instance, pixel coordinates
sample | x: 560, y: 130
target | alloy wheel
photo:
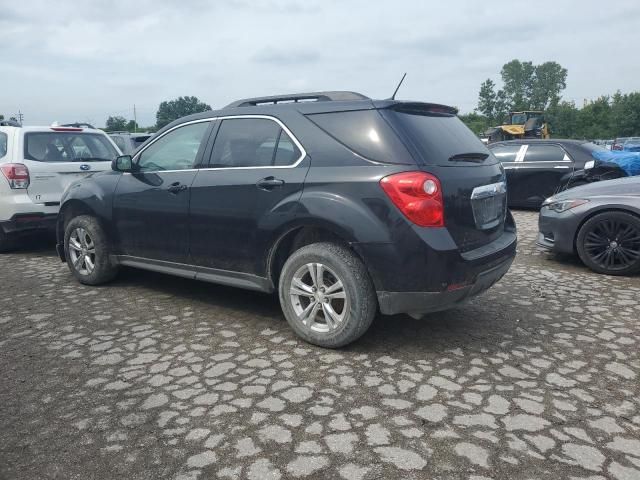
x: 613, y: 244
x: 319, y: 299
x: 82, y: 251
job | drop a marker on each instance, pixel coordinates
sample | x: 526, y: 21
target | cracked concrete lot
x: 158, y: 377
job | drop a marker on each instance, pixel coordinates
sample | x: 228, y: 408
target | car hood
x: 620, y: 187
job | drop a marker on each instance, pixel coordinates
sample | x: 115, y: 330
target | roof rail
x: 77, y: 125
x: 299, y: 97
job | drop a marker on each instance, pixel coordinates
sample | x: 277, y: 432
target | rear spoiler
x: 422, y: 108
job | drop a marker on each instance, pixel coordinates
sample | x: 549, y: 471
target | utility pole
x: 135, y: 119
x: 20, y: 117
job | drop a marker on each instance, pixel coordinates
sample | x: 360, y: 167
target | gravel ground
x: 158, y: 377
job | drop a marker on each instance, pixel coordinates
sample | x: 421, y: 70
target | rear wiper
x: 469, y: 157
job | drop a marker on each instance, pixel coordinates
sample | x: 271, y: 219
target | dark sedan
x: 536, y: 169
x: 600, y: 222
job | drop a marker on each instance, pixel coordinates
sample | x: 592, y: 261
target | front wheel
x: 609, y: 243
x: 87, y: 251
x: 326, y: 295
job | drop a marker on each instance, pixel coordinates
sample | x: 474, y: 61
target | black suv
x: 343, y: 204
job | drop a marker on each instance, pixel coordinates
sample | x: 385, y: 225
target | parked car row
x: 402, y: 210
x: 537, y: 169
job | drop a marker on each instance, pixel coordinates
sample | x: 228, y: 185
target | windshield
x: 67, y: 147
x: 519, y: 119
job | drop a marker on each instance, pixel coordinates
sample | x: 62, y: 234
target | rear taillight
x: 418, y: 195
x: 16, y: 174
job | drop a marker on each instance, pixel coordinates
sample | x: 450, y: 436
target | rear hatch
x: 472, y: 180
x: 59, y: 157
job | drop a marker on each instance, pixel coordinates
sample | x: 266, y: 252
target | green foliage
x: 1, y: 117
x: 116, y: 124
x: 476, y: 122
x: 539, y: 87
x: 525, y: 87
x: 171, y: 110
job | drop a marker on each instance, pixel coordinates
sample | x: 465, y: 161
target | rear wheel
x: 87, y: 251
x: 326, y: 295
x: 609, y: 243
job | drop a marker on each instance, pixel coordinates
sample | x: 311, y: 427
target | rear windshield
x: 437, y: 137
x: 366, y: 133
x: 3, y: 144
x: 67, y: 147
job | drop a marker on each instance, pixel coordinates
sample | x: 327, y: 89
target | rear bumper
x: 29, y: 222
x: 392, y: 303
x: 429, y: 273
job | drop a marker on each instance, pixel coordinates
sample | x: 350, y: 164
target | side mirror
x: 123, y: 163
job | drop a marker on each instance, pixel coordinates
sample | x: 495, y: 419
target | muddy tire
x: 326, y: 295
x: 86, y: 249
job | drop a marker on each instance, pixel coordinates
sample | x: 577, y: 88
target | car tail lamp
x: 418, y: 195
x: 16, y: 174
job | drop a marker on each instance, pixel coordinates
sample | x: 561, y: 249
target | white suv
x: 37, y: 164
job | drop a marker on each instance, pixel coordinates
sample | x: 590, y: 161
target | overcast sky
x: 85, y: 60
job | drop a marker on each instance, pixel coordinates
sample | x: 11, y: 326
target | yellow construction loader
x: 529, y: 124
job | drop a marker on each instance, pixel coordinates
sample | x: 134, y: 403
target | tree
x: 518, y: 79
x: 525, y: 87
x: 476, y: 122
x: 1, y: 117
x: 594, y: 119
x: 487, y: 99
x: 171, y: 110
x: 549, y: 81
x: 625, y: 114
x: 563, y: 120
x: 116, y: 124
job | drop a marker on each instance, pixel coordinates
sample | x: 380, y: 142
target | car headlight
x: 560, y: 206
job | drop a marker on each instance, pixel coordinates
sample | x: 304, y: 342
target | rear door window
x: 67, y: 147
x: 544, y: 153
x: 252, y: 142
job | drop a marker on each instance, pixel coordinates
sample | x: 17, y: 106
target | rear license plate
x: 489, y: 205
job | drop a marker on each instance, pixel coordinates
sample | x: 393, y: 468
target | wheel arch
x: 70, y: 209
x: 297, y: 236
x: 603, y: 209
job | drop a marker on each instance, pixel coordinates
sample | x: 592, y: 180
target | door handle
x: 269, y: 183
x: 176, y: 187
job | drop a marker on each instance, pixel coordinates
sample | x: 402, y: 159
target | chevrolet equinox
x: 343, y: 205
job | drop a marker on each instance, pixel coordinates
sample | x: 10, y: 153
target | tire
x: 88, y: 240
x: 353, y: 313
x: 7, y: 243
x: 609, y: 243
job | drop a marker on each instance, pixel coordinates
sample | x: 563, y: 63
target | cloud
x: 76, y: 60
x: 283, y: 56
